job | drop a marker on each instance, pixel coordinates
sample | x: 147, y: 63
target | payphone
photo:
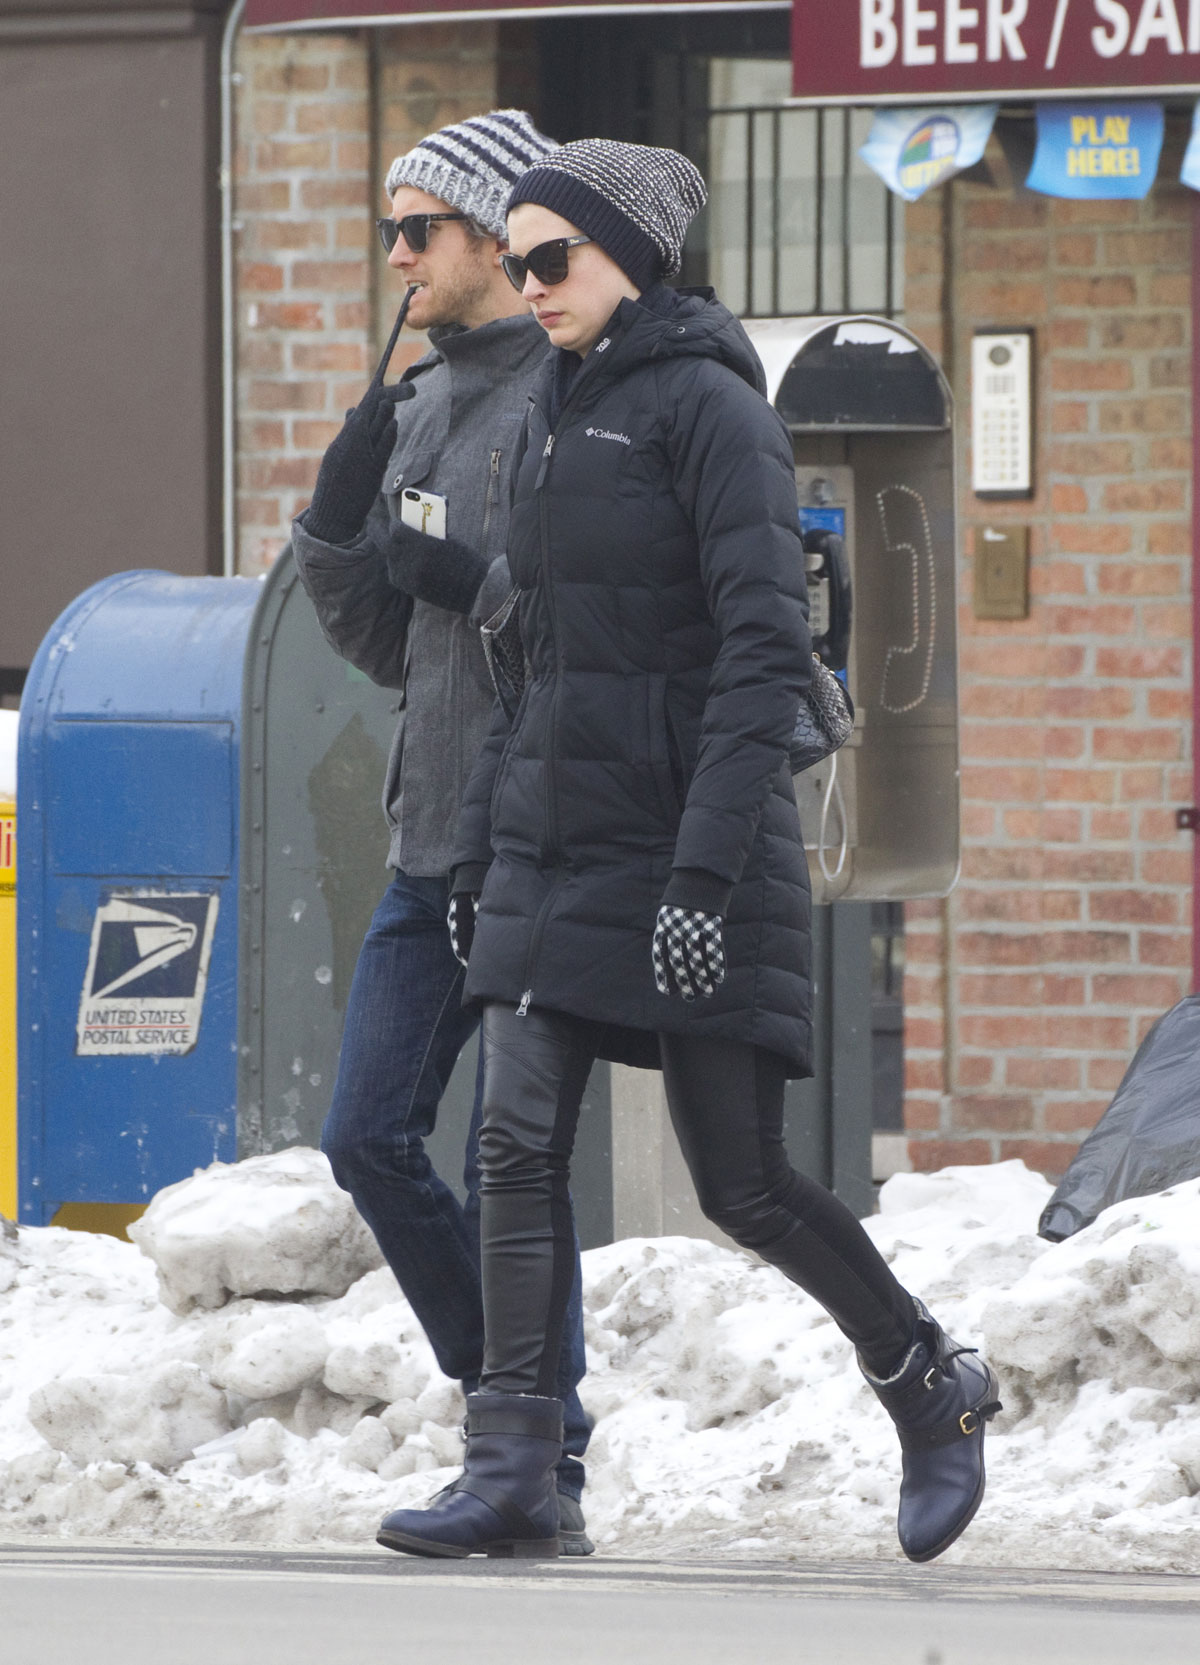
x: 870, y: 417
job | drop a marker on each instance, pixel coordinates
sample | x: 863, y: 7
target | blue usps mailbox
x: 127, y: 890
x: 199, y: 859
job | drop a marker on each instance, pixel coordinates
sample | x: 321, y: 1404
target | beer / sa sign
x: 910, y: 51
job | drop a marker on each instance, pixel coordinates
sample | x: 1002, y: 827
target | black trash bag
x: 1148, y: 1138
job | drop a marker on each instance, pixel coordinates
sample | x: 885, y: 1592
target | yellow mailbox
x: 8, y: 1008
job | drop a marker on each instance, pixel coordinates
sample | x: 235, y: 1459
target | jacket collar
x: 495, y: 348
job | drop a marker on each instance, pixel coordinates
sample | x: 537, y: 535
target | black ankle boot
x: 504, y: 1502
x: 941, y: 1399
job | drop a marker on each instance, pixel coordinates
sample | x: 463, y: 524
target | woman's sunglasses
x: 547, y: 262
x: 414, y: 228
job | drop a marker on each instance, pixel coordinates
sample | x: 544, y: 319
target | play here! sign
x: 904, y: 51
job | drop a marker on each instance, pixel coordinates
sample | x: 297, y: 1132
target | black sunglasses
x: 547, y: 262
x: 414, y: 228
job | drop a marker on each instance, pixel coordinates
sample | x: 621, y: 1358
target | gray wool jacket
x: 457, y: 437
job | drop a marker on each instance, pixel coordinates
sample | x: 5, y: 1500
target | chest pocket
x: 412, y: 469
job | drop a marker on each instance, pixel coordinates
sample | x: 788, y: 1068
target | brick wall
x: 1028, y: 989
x: 319, y: 117
x: 301, y: 205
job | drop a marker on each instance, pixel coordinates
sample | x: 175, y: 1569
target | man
x: 404, y: 606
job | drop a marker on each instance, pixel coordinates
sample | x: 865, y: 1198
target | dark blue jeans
x: 405, y: 1027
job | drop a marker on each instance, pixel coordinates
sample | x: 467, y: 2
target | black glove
x: 461, y: 920
x: 352, y: 468
x: 440, y: 570
x: 688, y: 951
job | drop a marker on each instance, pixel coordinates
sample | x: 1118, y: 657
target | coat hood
x: 663, y: 323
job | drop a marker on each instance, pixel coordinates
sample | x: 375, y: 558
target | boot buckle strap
x: 968, y: 1422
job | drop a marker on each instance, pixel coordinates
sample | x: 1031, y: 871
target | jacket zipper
x: 493, y: 492
x: 551, y: 826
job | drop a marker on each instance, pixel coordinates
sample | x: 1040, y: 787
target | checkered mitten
x: 461, y: 920
x: 688, y: 948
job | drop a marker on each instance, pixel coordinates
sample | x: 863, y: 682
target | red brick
x: 1091, y: 292
x: 353, y: 156
x: 1158, y: 415
x: 1104, y: 457
x: 1171, y: 370
x: 1088, y: 702
x: 1043, y: 1072
x: 1013, y: 740
x: 999, y: 948
x: 1142, y: 784
x: 1070, y: 416
x: 924, y: 1075
x: 1167, y: 620
x: 999, y: 988
x: 994, y: 1113
x: 1120, y: 745
x: 928, y: 1155
x: 1068, y: 743
x: 1068, y: 499
x: 289, y: 395
x: 1071, y: 1116
x: 313, y: 436
x: 1149, y: 497
x: 1136, y: 661
x: 1075, y: 249
x: 997, y: 212
x: 1100, y: 619
x: 1157, y: 826
x: 263, y: 196
x: 975, y: 1069
x: 999, y: 302
x: 978, y: 821
x: 1060, y: 906
x: 1114, y: 824
x: 1062, y: 826
x: 1136, y: 989
x: 1040, y: 1155
x: 1140, y: 578
x: 329, y: 355
x: 1148, y: 248
x: 1169, y: 537
x: 1000, y: 784
x: 1080, y: 786
x: 991, y: 1030
x: 1171, y: 289
x: 1107, y: 537
x: 920, y: 1116
x: 1106, y: 1074
x: 1001, y: 699
x: 1168, y: 867
x: 1096, y: 211
x: 335, y: 193
x: 1171, y: 454
x: 330, y: 274
x: 351, y: 315
x: 331, y: 116
x: 263, y: 436
x: 259, y: 277
x: 1135, y: 907
x: 1022, y: 823
x: 304, y: 155
x: 265, y: 356
x: 1142, y: 332
x: 1009, y: 254
x: 291, y: 77
x: 290, y: 315
x: 290, y: 234
x: 1079, y: 947
x: 1089, y: 866
x: 299, y: 473
x: 1091, y: 375
x: 1165, y: 948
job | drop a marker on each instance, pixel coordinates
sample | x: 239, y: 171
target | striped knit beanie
x: 634, y: 200
x: 473, y: 164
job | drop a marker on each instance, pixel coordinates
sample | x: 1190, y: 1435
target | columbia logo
x: 603, y: 433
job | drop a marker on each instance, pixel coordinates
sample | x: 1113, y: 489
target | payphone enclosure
x: 870, y: 415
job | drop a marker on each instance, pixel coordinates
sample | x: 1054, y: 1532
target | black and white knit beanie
x: 472, y: 165
x: 634, y: 200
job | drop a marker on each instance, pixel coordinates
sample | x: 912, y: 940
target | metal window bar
x: 817, y: 230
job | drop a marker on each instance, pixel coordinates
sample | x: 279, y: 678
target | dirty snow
x: 8, y: 754
x: 729, y: 1417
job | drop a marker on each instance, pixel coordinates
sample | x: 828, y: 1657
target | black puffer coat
x: 654, y: 537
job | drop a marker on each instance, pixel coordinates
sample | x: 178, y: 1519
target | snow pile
x: 272, y: 1225
x: 729, y: 1416
x: 8, y: 754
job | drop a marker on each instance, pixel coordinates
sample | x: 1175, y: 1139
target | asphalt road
x: 174, y: 1605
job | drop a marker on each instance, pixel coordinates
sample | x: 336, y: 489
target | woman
x: 630, y: 880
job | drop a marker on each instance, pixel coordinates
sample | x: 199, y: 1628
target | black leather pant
x: 726, y: 1104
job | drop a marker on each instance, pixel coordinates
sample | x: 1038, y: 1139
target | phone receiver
x: 833, y: 646
x: 908, y: 548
